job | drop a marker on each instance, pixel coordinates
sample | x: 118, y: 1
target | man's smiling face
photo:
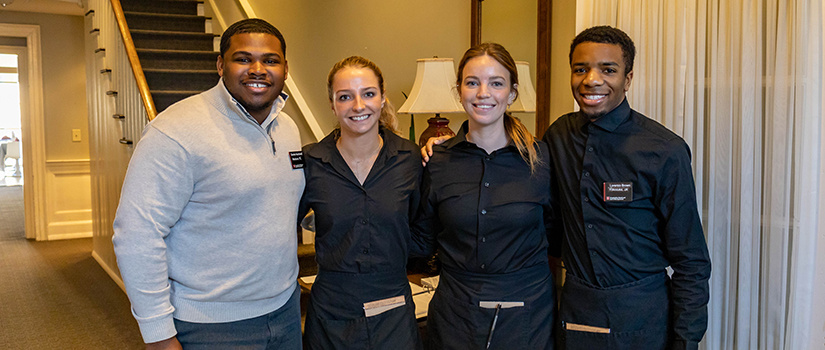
x: 254, y: 70
x: 598, y: 78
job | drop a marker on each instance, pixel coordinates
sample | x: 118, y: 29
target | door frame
x: 32, y: 120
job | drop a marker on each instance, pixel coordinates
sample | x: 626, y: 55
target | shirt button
x: 486, y: 184
x: 483, y: 239
x: 586, y: 199
x: 363, y: 221
x: 590, y: 149
x: 483, y: 211
x: 589, y: 225
x: 487, y: 158
x: 483, y: 266
x: 586, y: 174
x: 366, y: 251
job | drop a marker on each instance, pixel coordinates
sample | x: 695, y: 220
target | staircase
x: 175, y: 50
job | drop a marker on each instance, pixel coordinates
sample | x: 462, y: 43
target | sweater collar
x: 233, y: 109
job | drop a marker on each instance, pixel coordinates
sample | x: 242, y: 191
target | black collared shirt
x: 362, y: 229
x: 609, y: 242
x: 486, y: 212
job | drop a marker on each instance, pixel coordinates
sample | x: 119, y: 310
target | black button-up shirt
x: 610, y: 242
x: 486, y: 212
x: 362, y: 229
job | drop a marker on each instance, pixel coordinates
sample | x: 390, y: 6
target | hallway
x: 54, y: 295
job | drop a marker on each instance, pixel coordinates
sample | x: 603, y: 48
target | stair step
x: 177, y: 59
x: 187, y: 80
x: 166, y: 98
x: 189, y: 7
x: 155, y: 39
x: 165, y: 22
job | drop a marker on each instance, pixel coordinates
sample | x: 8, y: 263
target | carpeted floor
x: 11, y: 213
x: 54, y: 295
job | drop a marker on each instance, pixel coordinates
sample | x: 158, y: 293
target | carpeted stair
x: 175, y: 51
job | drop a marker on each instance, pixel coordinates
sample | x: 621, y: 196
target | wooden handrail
x: 143, y: 87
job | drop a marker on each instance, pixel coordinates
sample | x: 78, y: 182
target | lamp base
x: 438, y: 126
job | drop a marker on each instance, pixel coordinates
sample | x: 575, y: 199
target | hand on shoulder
x: 427, y: 150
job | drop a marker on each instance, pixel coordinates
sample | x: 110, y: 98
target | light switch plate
x: 75, y: 135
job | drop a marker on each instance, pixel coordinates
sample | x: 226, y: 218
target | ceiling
x: 60, y: 7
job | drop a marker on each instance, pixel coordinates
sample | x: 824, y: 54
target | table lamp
x: 433, y: 93
x: 526, y: 101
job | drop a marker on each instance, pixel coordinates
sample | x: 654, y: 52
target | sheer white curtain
x: 741, y: 81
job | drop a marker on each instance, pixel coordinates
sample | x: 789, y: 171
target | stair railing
x: 121, y: 102
x: 131, y: 53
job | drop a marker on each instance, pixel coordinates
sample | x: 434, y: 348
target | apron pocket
x: 630, y: 316
x: 394, y: 329
x: 510, y: 330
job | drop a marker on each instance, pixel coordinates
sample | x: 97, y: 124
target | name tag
x: 380, y: 306
x: 297, y: 159
x: 504, y: 304
x: 617, y: 191
x: 585, y: 328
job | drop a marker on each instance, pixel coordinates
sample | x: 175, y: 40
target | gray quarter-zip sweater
x: 206, y: 227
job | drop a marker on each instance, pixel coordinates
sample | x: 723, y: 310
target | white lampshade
x: 526, y: 101
x: 433, y: 89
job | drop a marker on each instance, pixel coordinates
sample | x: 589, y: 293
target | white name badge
x: 380, y: 306
x: 504, y: 304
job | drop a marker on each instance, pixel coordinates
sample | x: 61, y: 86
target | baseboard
x: 62, y: 236
x: 109, y: 271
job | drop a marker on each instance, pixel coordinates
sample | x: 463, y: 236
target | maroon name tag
x: 617, y: 191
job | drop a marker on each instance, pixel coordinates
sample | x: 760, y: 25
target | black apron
x: 336, y: 318
x: 457, y: 321
x: 628, y: 316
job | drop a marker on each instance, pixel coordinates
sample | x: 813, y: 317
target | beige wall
x: 392, y: 34
x: 563, y: 31
x: 514, y: 24
x: 64, y: 81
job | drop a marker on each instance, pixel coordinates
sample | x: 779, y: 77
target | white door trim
x: 34, y: 136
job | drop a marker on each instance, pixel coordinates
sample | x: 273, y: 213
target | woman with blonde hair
x: 362, y: 181
x: 485, y: 202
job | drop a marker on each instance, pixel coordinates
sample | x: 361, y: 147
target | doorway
x: 12, y: 209
x: 33, y: 150
x: 11, y: 172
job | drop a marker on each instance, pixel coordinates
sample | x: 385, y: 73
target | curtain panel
x: 741, y: 81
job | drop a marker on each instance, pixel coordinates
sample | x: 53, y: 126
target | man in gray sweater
x: 205, y: 231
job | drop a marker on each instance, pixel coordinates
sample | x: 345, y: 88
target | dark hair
x: 250, y: 25
x: 388, y: 118
x: 516, y: 131
x: 607, y: 35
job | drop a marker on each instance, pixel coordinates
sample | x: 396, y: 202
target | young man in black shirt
x: 628, y: 207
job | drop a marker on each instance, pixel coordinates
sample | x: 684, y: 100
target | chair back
x: 13, y: 150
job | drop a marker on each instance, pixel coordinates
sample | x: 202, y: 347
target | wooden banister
x: 143, y: 87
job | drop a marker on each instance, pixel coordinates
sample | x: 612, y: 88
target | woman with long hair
x: 485, y: 202
x: 362, y: 181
